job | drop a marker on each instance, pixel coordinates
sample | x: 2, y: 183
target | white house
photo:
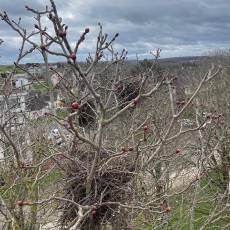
x: 20, y: 81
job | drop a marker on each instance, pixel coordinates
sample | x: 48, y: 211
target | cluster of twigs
x: 109, y: 185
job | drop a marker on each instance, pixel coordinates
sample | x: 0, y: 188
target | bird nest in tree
x: 87, y: 114
x: 126, y: 92
x: 109, y: 185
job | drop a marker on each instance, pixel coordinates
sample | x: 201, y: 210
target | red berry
x: 178, y: 151
x: 26, y: 203
x: 20, y: 203
x: 43, y: 47
x: 73, y: 57
x: 209, y: 116
x: 62, y: 34
x: 130, y: 148
x: 75, y: 105
x: 146, y: 128
x: 86, y: 30
x: 94, y: 212
x: 168, y: 209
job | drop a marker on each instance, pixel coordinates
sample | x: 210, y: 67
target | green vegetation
x: 42, y: 87
x: 52, y: 178
x: 207, y: 201
x: 4, y: 69
x: 62, y: 114
x: 206, y: 190
x: 45, y: 120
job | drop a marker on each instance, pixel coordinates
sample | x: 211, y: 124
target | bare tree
x: 120, y: 144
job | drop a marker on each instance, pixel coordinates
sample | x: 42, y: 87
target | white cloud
x: 179, y: 27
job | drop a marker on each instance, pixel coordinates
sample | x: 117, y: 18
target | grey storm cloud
x: 179, y: 27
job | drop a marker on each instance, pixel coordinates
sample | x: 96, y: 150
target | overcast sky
x: 178, y: 27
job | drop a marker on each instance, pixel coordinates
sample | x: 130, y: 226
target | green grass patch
x: 4, y: 69
x: 62, y: 114
x: 206, y: 203
x: 207, y: 190
x: 44, y: 87
x: 53, y: 177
